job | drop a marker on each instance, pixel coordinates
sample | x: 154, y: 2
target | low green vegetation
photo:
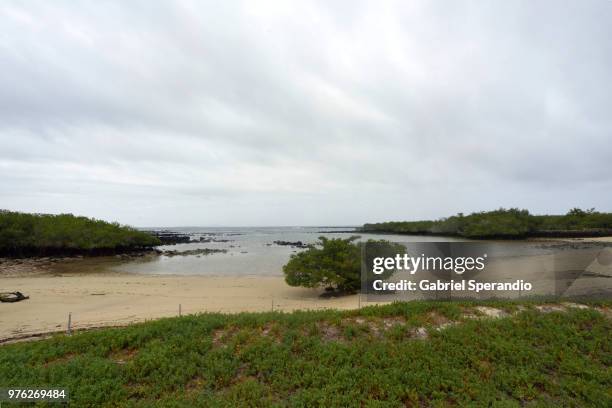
x: 506, y: 223
x: 37, y: 234
x: 369, y: 357
x: 334, y: 264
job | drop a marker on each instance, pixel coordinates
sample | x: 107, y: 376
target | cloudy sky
x: 304, y: 113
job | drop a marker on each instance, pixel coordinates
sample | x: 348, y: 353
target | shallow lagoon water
x: 251, y: 251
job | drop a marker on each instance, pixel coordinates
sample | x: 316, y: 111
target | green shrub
x: 331, y: 263
x: 37, y: 232
x: 334, y: 264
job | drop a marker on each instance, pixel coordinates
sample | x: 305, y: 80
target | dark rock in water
x: 209, y: 239
x: 201, y: 251
x: 296, y: 244
x: 170, y: 237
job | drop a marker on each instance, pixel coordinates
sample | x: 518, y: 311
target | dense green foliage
x: 39, y: 233
x: 331, y: 263
x: 330, y: 359
x: 502, y: 223
x: 334, y: 264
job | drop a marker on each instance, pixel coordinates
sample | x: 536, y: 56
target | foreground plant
x: 499, y: 354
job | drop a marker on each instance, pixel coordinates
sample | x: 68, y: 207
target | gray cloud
x: 278, y: 113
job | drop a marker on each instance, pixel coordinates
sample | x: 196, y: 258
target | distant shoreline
x: 559, y: 234
x: 60, y: 253
x: 512, y: 223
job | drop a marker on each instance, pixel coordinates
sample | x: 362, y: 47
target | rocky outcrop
x: 296, y: 244
x: 200, y: 251
x: 168, y: 237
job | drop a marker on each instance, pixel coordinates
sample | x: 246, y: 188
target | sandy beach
x: 110, y: 300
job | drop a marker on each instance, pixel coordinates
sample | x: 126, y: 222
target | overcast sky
x: 304, y: 113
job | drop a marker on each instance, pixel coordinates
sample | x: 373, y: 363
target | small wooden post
x: 272, y: 304
x: 69, y: 331
x: 180, y: 311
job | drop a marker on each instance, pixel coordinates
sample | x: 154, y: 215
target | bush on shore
x: 334, y: 264
x: 24, y: 234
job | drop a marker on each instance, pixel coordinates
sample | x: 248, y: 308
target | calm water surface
x: 250, y: 251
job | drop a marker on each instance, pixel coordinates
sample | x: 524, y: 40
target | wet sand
x: 109, y: 300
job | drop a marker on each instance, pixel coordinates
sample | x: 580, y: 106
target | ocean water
x: 250, y: 251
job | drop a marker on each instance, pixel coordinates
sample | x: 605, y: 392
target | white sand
x: 101, y: 300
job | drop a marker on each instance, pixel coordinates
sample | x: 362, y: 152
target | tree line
x: 505, y: 223
x: 47, y: 234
